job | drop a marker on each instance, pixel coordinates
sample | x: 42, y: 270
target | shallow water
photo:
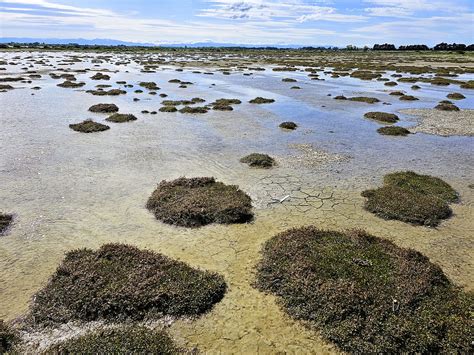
x: 70, y: 190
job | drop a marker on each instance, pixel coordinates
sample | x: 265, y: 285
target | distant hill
x: 113, y: 42
x: 81, y: 41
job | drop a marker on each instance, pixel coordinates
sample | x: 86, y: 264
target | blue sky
x: 306, y: 22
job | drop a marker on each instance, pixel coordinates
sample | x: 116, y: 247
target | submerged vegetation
x: 119, y: 341
x: 88, y: 126
x: 120, y: 282
x: 365, y: 294
x: 412, y: 198
x: 196, y: 202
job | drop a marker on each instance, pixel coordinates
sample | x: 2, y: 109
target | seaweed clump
x: 456, y: 96
x: 194, y: 110
x: 168, y: 108
x: 382, y: 117
x: 393, y: 131
x: 8, y: 337
x: 88, y: 126
x: 444, y: 106
x: 364, y: 293
x: 261, y: 100
x: 5, y: 222
x: 288, y: 125
x: 258, y: 160
x: 120, y: 282
x: 106, y: 108
x: 71, y: 84
x: 412, y: 198
x: 196, y: 202
x: 121, y: 341
x: 121, y: 117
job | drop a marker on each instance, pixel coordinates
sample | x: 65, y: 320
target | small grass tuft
x: 88, y: 126
x: 456, y: 96
x: 393, y: 131
x: 258, y: 160
x: 121, y: 117
x: 382, y: 117
x: 446, y: 107
x: 261, y: 100
x: 106, y: 108
x: 288, y: 125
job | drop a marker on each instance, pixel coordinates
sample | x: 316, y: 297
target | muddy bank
x: 443, y: 123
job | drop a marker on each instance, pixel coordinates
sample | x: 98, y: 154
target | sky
x: 257, y: 22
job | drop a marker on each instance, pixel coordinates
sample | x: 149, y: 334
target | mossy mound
x: 382, y: 117
x: 391, y: 83
x: 408, y: 98
x: 121, y: 117
x: 411, y: 198
x: 221, y: 107
x: 88, y: 126
x: 258, y: 160
x: 119, y: 341
x: 467, y: 85
x: 368, y: 100
x: 416, y: 87
x: 5, y: 222
x: 106, y: 108
x: 289, y: 80
x: 456, y: 96
x: 397, y: 93
x: 100, y: 76
x: 261, y: 100
x: 150, y: 85
x: 393, y: 131
x: 168, y: 109
x: 288, y: 125
x: 194, y: 110
x: 111, y: 92
x: 6, y: 87
x: 8, y: 337
x: 120, y: 282
x: 196, y: 202
x: 71, y: 84
x: 446, y: 107
x: 365, y: 294
x: 227, y: 102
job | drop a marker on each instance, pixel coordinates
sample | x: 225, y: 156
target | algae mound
x: 107, y: 108
x: 258, y: 160
x: 88, y: 126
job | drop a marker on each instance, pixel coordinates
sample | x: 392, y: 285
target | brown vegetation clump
x: 393, y: 131
x: 289, y: 80
x: 408, y: 98
x: 111, y: 92
x: 194, y: 110
x: 71, y: 84
x: 258, y: 160
x: 8, y: 337
x: 456, y: 96
x: 261, y: 100
x: 100, y: 76
x: 104, y: 108
x: 467, y: 85
x: 168, y: 109
x: 391, y: 83
x: 196, y: 202
x: 365, y: 294
x: 447, y: 107
x: 382, y: 117
x: 288, y: 125
x: 89, y: 126
x: 121, y: 340
x: 222, y: 107
x: 412, y: 198
x: 121, y: 117
x: 120, y: 282
x: 149, y: 85
x: 369, y: 100
x: 5, y: 222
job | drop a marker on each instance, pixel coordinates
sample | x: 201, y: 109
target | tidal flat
x: 67, y: 190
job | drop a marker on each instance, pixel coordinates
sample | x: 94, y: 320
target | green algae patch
x: 88, y: 126
x: 196, y: 202
x: 393, y: 131
x: 258, y: 160
x: 288, y: 125
x: 121, y: 341
x: 8, y: 337
x: 120, y: 282
x: 104, y: 108
x: 411, y: 198
x: 261, y: 100
x: 5, y: 222
x: 364, y: 293
x: 121, y: 117
x: 382, y: 117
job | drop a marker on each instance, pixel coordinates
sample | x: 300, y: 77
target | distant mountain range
x: 112, y: 42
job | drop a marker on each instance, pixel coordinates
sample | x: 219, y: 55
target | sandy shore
x: 443, y: 123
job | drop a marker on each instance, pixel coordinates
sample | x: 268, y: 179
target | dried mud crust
x: 443, y: 123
